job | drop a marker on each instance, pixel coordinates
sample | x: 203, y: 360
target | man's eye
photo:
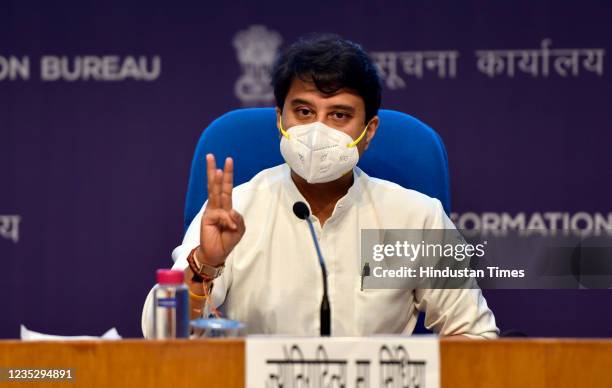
x: 340, y: 115
x: 303, y: 112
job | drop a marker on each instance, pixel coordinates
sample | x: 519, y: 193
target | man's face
x: 343, y: 110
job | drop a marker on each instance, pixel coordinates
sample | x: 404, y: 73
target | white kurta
x: 272, y: 279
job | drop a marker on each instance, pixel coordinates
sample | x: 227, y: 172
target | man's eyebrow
x: 347, y: 108
x: 299, y: 101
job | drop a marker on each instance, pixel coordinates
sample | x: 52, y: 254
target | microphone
x: 302, y: 212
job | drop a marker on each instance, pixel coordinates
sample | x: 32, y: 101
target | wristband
x: 202, y: 271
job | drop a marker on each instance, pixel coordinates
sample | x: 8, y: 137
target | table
x: 220, y: 362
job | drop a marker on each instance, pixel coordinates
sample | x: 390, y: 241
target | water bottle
x: 171, y: 311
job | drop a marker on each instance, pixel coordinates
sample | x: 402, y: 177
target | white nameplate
x: 312, y: 362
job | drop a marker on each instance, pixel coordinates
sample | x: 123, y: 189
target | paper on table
x: 29, y: 335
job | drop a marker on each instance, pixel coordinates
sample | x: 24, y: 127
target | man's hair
x: 332, y: 63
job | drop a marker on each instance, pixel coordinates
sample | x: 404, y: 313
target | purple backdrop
x: 97, y: 169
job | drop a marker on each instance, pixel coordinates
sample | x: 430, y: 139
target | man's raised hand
x: 222, y: 227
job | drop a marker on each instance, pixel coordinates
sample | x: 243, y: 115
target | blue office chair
x: 404, y: 151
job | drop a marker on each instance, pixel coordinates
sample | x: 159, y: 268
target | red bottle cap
x: 169, y: 276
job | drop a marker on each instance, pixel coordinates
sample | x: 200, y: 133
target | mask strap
x: 353, y: 144
x: 282, y: 131
x: 350, y: 145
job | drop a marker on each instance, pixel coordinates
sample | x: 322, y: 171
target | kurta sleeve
x: 455, y: 311
x: 179, y: 255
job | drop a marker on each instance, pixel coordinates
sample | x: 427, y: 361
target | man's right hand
x: 222, y: 227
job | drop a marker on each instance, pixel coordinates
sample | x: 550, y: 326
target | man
x: 327, y: 94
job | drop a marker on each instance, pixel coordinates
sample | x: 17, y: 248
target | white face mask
x: 319, y: 153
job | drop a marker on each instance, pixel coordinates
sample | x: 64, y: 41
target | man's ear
x: 372, y: 127
x: 279, y: 116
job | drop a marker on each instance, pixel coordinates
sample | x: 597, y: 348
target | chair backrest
x: 404, y: 151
